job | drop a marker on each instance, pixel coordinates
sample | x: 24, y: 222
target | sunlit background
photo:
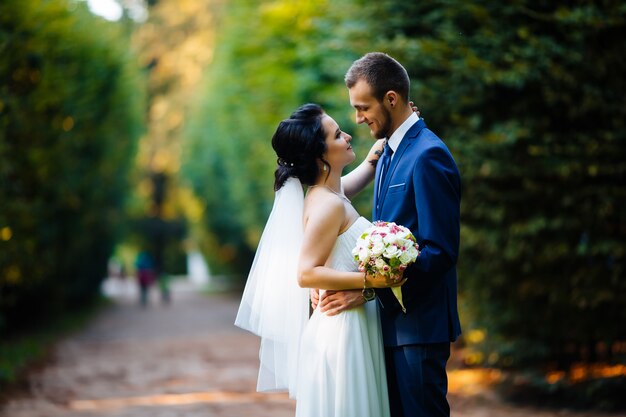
x: 137, y: 133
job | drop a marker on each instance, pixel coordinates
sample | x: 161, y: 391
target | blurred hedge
x: 70, y: 114
x: 530, y: 97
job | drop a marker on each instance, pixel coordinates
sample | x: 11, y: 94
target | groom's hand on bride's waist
x: 314, y: 295
x: 334, y: 302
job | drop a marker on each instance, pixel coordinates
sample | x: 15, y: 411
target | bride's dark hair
x: 299, y: 142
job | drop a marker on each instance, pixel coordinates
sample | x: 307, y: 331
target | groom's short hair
x: 382, y: 73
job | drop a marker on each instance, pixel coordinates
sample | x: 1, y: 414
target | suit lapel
x: 407, y: 141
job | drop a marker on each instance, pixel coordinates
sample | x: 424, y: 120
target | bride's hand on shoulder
x: 414, y: 108
x: 376, y: 151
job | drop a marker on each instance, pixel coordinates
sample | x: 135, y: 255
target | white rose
x: 380, y: 264
x: 378, y: 248
x: 409, y: 255
x: 404, y: 233
x: 392, y: 252
x: 360, y: 244
x: 406, y: 243
x: 364, y: 255
x: 390, y: 239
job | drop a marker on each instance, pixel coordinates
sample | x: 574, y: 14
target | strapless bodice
x: 341, y: 257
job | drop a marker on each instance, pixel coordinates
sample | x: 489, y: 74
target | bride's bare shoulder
x: 320, y: 197
x: 321, y: 204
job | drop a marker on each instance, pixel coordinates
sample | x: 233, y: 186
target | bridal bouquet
x: 387, y: 249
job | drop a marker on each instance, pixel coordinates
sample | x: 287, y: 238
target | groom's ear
x: 391, y: 97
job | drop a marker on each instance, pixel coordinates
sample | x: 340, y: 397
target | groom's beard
x: 385, y: 128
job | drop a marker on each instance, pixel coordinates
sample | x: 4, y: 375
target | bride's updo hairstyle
x: 299, y: 142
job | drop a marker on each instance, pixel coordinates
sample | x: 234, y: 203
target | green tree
x: 271, y: 57
x: 70, y: 115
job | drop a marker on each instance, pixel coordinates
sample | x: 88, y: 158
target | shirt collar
x: 396, y: 137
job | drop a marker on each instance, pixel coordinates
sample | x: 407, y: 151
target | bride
x: 333, y: 365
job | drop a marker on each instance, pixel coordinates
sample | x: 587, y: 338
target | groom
x: 417, y: 185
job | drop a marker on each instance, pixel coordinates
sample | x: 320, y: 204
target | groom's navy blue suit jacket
x: 422, y: 191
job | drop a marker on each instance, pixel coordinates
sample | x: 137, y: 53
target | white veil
x: 273, y: 305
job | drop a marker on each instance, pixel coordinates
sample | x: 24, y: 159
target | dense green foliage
x: 70, y: 115
x: 528, y: 96
x: 281, y: 57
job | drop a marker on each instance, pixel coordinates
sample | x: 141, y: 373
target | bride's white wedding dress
x: 341, y: 367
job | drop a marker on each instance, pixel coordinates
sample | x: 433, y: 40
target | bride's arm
x: 359, y: 177
x: 321, y: 229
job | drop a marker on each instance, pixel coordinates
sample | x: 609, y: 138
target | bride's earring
x: 325, y: 167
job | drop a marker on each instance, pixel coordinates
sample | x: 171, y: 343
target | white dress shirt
x: 396, y: 137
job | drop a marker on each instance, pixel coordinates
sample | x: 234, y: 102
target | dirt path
x: 185, y: 359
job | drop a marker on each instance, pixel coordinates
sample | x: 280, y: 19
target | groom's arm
x: 314, y: 296
x: 436, y: 183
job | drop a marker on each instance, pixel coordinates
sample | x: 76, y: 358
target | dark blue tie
x: 385, y: 160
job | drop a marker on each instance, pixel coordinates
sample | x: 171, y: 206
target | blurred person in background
x: 146, y: 276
